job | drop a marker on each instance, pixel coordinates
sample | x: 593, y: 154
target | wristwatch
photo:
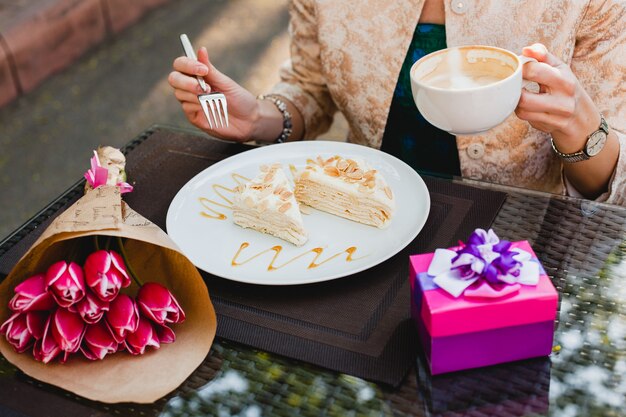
x: 593, y: 146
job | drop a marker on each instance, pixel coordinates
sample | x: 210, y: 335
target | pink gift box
x: 463, y: 333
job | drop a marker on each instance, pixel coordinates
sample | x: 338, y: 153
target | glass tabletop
x: 582, y: 246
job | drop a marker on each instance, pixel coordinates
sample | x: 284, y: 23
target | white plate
x: 212, y: 244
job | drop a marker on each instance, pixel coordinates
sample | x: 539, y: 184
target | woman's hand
x: 562, y: 107
x: 243, y: 108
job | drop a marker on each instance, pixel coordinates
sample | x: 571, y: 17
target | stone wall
x: 41, y: 37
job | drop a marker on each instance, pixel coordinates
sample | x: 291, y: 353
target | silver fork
x: 214, y: 103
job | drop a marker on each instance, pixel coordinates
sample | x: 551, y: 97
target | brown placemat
x: 357, y: 325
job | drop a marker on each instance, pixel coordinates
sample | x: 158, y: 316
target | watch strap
x: 604, y: 126
x: 581, y: 155
x: 569, y: 157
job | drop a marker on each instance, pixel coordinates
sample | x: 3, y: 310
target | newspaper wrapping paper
x: 120, y: 377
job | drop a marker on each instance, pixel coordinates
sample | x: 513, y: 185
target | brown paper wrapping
x: 120, y: 377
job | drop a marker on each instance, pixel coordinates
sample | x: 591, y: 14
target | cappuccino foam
x: 459, y: 71
x: 461, y: 81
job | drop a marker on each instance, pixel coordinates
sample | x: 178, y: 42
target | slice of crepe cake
x: 267, y: 204
x: 345, y: 187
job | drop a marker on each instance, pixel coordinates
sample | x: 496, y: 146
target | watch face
x: 595, y: 143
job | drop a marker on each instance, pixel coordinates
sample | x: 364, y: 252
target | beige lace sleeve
x: 599, y: 62
x: 302, y: 80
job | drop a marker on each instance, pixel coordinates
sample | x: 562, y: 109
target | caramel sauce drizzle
x: 278, y: 249
x: 239, y: 179
x: 210, y: 212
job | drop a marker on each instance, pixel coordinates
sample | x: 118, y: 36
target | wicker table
x: 582, y: 245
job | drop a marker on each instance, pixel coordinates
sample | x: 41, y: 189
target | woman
x: 349, y: 56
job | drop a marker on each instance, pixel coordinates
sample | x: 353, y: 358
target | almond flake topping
x: 269, y: 177
x: 332, y: 171
x: 357, y: 174
x: 348, y: 170
x: 369, y: 174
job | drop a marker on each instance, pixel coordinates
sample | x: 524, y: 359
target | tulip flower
x: 98, y: 342
x: 66, y: 283
x: 97, y: 175
x: 22, y: 329
x: 68, y: 329
x: 165, y: 334
x: 158, y: 304
x: 107, y: 168
x: 145, y: 335
x: 122, y: 317
x: 105, y: 274
x: 91, y: 308
x: 47, y: 348
x: 31, y: 295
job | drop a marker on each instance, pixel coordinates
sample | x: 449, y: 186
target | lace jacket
x: 346, y: 56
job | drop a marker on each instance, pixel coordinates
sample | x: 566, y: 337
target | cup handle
x: 524, y: 60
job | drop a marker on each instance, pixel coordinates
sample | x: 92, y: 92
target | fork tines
x: 215, y: 109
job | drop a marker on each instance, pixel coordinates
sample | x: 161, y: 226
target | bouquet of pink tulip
x: 70, y: 309
x: 73, y: 302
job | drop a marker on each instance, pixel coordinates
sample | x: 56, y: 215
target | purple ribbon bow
x: 484, y: 266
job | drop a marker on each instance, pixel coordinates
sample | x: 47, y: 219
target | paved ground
x: 119, y: 88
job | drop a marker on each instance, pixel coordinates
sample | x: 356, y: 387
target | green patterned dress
x: 407, y: 134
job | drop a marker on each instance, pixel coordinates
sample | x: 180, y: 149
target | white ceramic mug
x: 466, y: 90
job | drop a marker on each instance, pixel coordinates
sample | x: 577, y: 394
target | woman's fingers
x: 203, y: 56
x: 185, y: 96
x: 539, y: 120
x: 186, y: 69
x: 547, y: 103
x: 195, y: 115
x: 553, y: 78
x: 549, y: 71
x: 545, y: 121
x: 190, y: 107
x: 190, y: 66
x: 182, y: 81
x: 541, y: 54
x: 218, y: 80
x: 541, y: 73
x: 554, y: 109
x: 534, y: 117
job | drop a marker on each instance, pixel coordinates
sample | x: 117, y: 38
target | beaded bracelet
x: 282, y: 107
